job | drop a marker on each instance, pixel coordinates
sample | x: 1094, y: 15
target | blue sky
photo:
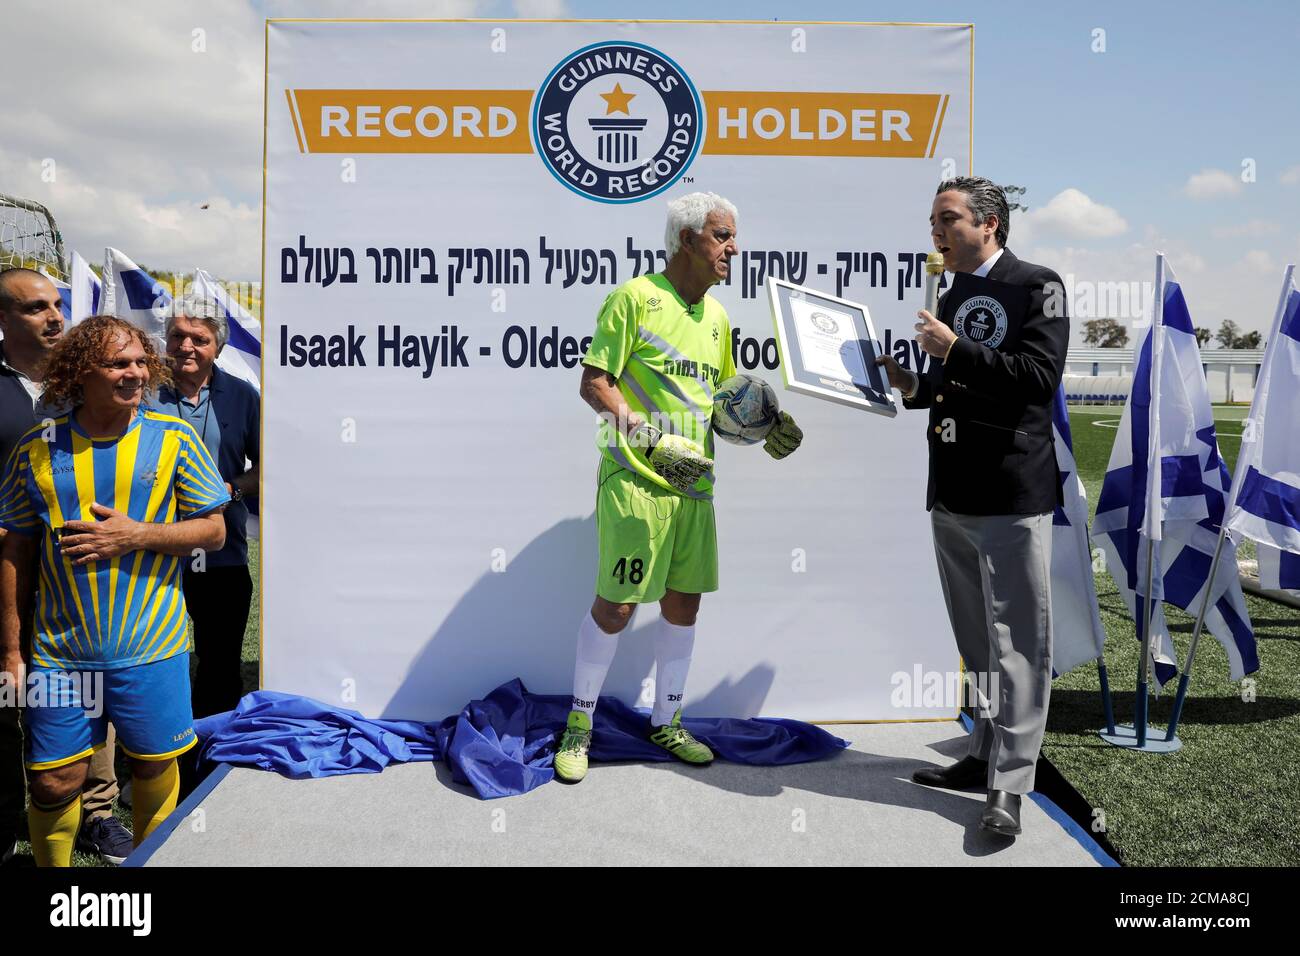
x: 1129, y: 150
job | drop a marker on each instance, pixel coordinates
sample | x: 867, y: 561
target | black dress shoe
x: 966, y: 772
x: 1001, y: 813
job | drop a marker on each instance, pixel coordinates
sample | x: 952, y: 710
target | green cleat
x: 677, y: 740
x: 571, y: 755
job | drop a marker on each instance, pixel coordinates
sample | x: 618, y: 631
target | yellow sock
x: 54, y: 830
x: 152, y: 800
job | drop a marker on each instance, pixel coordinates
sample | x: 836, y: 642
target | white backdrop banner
x: 447, y: 206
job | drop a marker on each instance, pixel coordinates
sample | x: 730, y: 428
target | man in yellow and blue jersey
x: 31, y: 319
x: 106, y: 501
x: 661, y: 347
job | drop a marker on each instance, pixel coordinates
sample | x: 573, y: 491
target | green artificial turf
x: 1230, y: 796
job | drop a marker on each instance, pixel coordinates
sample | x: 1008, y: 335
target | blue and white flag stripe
x: 87, y: 291
x: 1077, y: 632
x: 132, y: 294
x: 1278, y: 570
x: 65, y: 295
x: 1266, y: 499
x: 242, y: 356
x: 1166, y: 490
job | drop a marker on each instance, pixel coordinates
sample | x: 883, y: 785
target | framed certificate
x: 828, y: 348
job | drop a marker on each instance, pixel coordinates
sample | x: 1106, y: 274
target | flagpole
x: 1144, y: 665
x: 1153, y: 502
x: 1186, y: 678
x: 1106, y: 705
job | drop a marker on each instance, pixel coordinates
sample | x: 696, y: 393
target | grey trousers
x: 996, y: 572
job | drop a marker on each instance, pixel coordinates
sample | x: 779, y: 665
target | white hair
x: 201, y: 309
x: 689, y: 212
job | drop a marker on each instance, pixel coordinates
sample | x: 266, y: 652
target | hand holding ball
x: 746, y: 411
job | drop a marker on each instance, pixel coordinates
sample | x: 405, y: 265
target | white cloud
x: 1259, y: 262
x: 144, y: 129
x: 1290, y: 176
x: 1254, y: 229
x: 1071, y: 214
x: 176, y: 235
x: 1212, y: 184
x: 1101, y: 277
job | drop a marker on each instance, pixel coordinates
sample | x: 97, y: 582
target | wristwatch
x: 236, y: 494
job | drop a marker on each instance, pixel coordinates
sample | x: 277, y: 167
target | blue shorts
x: 148, y: 705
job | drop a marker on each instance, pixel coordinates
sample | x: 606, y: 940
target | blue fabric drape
x: 500, y: 746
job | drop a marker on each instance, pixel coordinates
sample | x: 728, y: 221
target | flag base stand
x: 1125, y: 735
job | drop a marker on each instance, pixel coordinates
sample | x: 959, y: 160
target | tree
x: 1227, y: 334
x: 1203, y: 336
x: 1230, y: 336
x: 1105, y: 333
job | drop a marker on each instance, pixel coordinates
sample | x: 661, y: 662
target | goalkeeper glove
x: 784, y: 437
x: 674, y: 458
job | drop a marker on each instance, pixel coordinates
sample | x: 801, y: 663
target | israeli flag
x: 1167, y: 486
x: 65, y: 295
x: 242, y: 356
x: 1278, y: 570
x: 87, y: 291
x: 1077, y: 632
x: 1266, y: 494
x: 132, y: 294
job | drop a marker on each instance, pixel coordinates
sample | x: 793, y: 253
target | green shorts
x: 651, y: 539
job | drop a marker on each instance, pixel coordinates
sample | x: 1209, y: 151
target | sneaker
x: 106, y: 838
x: 677, y: 740
x: 571, y: 755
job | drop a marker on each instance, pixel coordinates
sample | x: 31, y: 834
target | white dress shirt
x: 985, y: 267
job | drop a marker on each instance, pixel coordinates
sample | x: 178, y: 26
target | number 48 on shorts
x: 633, y: 570
x: 652, y: 539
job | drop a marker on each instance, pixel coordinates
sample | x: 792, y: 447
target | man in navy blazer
x: 993, y: 484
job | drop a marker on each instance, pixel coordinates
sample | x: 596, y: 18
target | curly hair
x: 83, y: 348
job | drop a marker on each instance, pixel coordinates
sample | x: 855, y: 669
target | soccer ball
x: 744, y: 410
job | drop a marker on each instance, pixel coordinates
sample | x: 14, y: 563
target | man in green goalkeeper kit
x: 660, y: 349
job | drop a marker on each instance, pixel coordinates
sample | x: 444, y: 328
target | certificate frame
x: 859, y: 382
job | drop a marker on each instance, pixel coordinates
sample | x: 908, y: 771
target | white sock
x: 595, y: 653
x: 673, y: 646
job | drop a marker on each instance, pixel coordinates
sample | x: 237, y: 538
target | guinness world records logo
x: 617, y: 122
x: 981, y: 319
x: 825, y: 323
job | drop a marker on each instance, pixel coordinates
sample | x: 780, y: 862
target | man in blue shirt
x: 226, y: 412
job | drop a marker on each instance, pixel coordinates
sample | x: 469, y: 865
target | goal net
x: 29, y: 237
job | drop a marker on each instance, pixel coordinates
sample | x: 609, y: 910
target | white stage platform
x: 859, y: 808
